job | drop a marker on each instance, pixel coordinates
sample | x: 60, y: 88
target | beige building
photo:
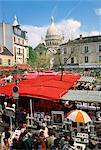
x: 6, y: 57
x: 15, y: 40
x: 83, y: 51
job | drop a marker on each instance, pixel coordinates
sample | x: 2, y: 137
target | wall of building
x: 79, y: 53
x: 10, y: 44
x: 1, y: 35
x: 9, y: 37
x: 20, y: 49
x: 5, y: 60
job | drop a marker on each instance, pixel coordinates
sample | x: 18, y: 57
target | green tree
x: 43, y: 60
x: 33, y: 57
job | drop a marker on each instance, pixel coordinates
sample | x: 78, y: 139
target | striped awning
x: 82, y: 96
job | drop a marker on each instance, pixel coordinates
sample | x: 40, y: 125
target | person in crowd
x: 50, y: 139
x: 24, y: 127
x: 5, y: 139
x: 36, y: 141
x: 45, y: 130
x: 25, y: 141
x: 66, y: 142
x: 42, y: 141
x: 56, y: 145
x: 92, y: 144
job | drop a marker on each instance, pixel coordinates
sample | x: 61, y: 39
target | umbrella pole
x: 78, y: 127
x: 31, y: 110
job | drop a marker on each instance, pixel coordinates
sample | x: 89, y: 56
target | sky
x: 72, y: 17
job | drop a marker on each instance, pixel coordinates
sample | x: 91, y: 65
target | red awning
x: 43, y: 87
x: 24, y: 66
x: 7, y: 68
x: 2, y: 82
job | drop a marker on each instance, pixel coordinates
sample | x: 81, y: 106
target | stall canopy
x: 6, y: 68
x: 87, y: 79
x: 2, y: 82
x: 43, y: 87
x: 24, y: 66
x: 82, y: 96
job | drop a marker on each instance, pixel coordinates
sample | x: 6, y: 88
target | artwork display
x: 57, y: 117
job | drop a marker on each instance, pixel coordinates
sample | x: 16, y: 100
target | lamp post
x: 60, y: 63
x: 16, y: 95
x: 10, y: 112
x: 15, y: 90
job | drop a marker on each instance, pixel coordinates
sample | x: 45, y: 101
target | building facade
x: 15, y: 40
x: 83, y: 51
x: 6, y: 57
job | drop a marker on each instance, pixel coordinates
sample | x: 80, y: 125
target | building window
x: 99, y: 58
x: 15, y: 54
x: 86, y: 59
x: 65, y: 51
x: 18, y: 41
x: 86, y: 49
x: 0, y: 49
x: 72, y: 60
x: 19, y: 51
x: 0, y: 61
x: 23, y: 42
x: 99, y: 48
x: 9, y: 62
x: 19, y: 32
x: 65, y: 60
x: 14, y: 39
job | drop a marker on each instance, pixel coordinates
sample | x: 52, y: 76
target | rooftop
x: 6, y: 52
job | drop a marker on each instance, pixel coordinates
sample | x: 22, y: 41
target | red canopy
x: 2, y: 82
x: 43, y: 87
x: 7, y: 68
x: 24, y: 66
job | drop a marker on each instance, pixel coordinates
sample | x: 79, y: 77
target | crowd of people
x: 44, y: 139
x: 22, y: 138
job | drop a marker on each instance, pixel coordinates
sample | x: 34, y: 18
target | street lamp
x: 15, y: 89
x: 16, y: 95
x: 60, y: 63
x: 10, y: 112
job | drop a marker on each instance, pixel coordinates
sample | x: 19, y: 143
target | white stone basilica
x: 53, y: 37
x: 53, y: 40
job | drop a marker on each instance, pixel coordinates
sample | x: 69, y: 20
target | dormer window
x: 0, y: 61
x: 1, y: 49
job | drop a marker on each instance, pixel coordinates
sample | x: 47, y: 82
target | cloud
x: 34, y: 34
x: 70, y: 28
x: 98, y: 11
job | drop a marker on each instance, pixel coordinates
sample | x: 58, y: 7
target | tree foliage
x: 38, y: 57
x: 32, y: 57
x: 43, y: 61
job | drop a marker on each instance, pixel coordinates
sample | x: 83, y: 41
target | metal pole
x: 31, y: 109
x: 11, y: 123
x: 17, y: 105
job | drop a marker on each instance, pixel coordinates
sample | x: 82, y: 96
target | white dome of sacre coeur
x: 52, y: 30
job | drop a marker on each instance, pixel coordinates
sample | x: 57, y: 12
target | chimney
x: 3, y: 27
x: 80, y: 36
